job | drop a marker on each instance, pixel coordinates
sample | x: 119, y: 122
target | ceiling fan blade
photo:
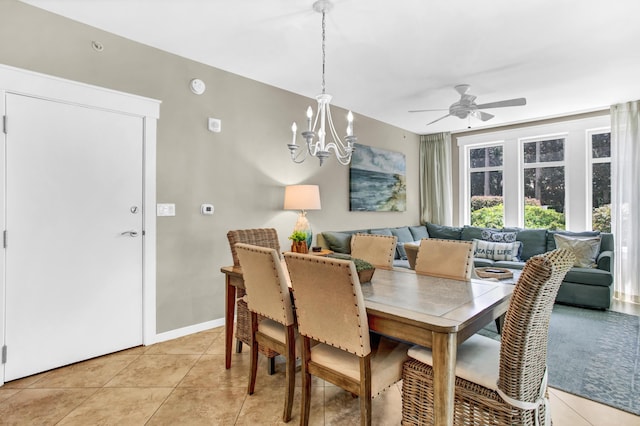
x: 424, y: 110
x: 484, y: 116
x: 500, y: 104
x: 445, y: 116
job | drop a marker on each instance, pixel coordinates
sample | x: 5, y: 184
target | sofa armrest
x: 605, y: 261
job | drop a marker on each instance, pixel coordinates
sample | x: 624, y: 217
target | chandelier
x: 316, y: 142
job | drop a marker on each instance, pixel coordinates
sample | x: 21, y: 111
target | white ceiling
x: 385, y: 58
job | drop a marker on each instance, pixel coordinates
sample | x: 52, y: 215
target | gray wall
x: 242, y: 170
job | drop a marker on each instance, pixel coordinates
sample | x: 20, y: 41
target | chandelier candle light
x: 302, y: 198
x: 318, y: 147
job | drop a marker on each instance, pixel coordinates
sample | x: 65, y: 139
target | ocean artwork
x: 377, y: 180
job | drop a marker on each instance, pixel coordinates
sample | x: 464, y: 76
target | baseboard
x: 185, y: 331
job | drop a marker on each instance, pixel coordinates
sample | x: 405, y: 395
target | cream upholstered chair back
x: 523, y: 349
x: 329, y: 303
x: 265, y: 283
x: 379, y: 250
x: 445, y: 258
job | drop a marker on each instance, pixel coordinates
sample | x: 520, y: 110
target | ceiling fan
x: 467, y: 106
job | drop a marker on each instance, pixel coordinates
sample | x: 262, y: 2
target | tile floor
x: 184, y: 382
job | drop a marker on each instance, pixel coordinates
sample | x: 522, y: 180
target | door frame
x: 29, y: 83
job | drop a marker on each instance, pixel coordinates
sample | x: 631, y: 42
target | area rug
x: 594, y: 354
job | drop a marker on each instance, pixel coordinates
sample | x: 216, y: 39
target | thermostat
x: 206, y: 209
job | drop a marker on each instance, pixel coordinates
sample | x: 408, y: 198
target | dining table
x: 434, y: 312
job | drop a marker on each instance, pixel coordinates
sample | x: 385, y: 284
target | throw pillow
x: 496, y: 251
x: 498, y: 237
x: 340, y: 242
x: 585, y: 249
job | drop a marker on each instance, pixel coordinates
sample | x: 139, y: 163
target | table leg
x: 229, y: 310
x: 444, y: 375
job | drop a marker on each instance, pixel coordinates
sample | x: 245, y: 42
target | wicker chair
x: 330, y: 312
x: 497, y: 383
x: 268, y: 295
x: 378, y: 250
x: 445, y: 258
x: 263, y: 237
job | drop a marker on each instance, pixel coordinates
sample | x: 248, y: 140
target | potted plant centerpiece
x: 299, y: 242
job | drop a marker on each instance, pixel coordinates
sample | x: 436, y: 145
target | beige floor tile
x: 597, y: 414
x: 266, y: 406
x: 92, y: 373
x: 6, y: 393
x: 193, y: 407
x: 24, y: 382
x: 341, y: 408
x: 118, y: 406
x: 209, y: 372
x: 217, y: 345
x: 562, y: 414
x: 192, y: 344
x: 41, y: 406
x: 154, y: 370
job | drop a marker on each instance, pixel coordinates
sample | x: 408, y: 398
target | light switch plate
x: 166, y: 209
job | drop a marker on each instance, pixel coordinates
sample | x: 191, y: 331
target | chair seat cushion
x: 478, y: 360
x: 386, y: 362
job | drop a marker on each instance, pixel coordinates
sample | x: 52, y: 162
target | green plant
x: 601, y: 218
x: 298, y: 236
x: 361, y: 265
x: 534, y: 217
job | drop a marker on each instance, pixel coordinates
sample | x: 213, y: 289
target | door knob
x: 130, y: 233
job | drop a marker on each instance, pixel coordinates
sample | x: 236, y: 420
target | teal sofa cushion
x: 470, y: 233
x: 404, y: 236
x: 340, y: 242
x: 534, y: 241
x: 418, y: 232
x: 444, y: 232
x: 592, y: 276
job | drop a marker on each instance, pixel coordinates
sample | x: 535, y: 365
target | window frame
x: 589, y: 133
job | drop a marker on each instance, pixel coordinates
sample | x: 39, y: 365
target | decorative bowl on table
x: 365, y: 269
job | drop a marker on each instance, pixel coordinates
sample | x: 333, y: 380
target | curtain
x: 625, y: 156
x: 436, y: 205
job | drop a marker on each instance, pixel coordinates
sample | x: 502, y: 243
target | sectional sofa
x: 586, y: 284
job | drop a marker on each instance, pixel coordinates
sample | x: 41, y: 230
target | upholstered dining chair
x: 445, y: 258
x: 330, y: 311
x: 378, y: 250
x: 268, y: 295
x: 497, y: 383
x: 263, y: 237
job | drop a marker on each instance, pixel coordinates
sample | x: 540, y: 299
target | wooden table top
x: 445, y: 305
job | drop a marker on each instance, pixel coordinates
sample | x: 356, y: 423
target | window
x: 485, y: 177
x: 544, y: 183
x: 553, y: 176
x: 600, y: 181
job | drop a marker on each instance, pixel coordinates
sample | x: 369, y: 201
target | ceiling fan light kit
x: 467, y: 107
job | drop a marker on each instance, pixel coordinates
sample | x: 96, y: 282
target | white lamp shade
x: 302, y: 197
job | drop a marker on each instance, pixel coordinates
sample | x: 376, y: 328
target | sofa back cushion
x: 444, y: 232
x: 404, y: 236
x: 418, y: 232
x: 534, y: 241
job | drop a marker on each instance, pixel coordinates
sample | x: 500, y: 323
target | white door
x: 74, y: 180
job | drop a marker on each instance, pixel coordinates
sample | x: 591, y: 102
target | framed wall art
x: 377, y: 180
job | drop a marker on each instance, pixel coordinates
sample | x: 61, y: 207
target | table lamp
x: 302, y: 198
